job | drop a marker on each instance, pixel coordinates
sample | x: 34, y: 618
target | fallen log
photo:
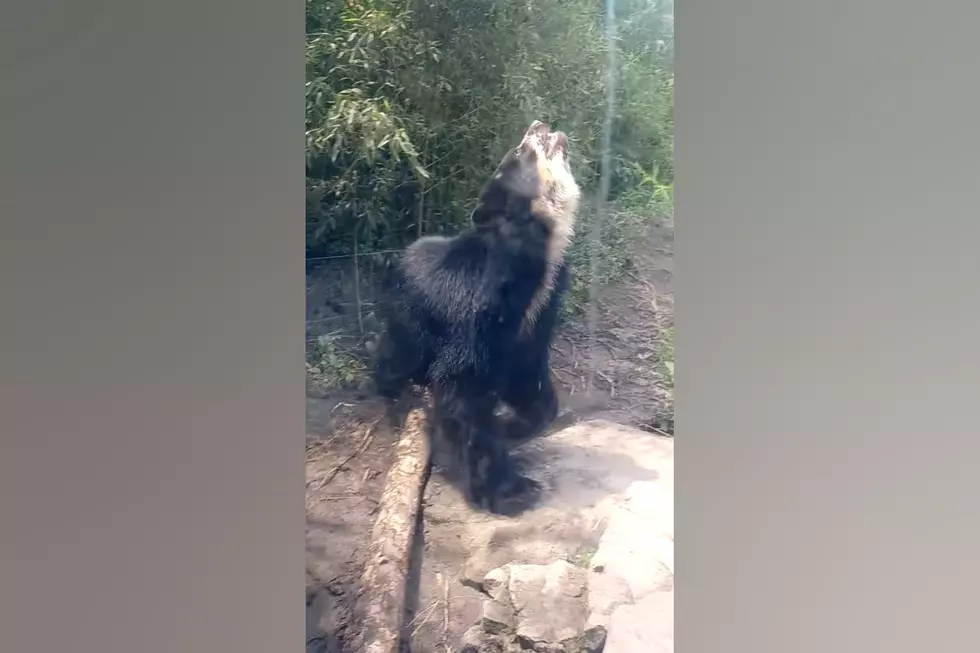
x: 382, y: 595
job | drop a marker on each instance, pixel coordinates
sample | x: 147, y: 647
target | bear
x: 472, y: 317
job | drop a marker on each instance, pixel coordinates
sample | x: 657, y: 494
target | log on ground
x: 381, y: 602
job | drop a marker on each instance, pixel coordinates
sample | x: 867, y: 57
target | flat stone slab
x: 644, y: 627
x: 607, y: 591
x: 640, y: 536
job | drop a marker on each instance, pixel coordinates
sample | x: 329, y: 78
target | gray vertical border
x: 827, y: 320
x: 151, y: 340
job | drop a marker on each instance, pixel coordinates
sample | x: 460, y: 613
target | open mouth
x: 537, y: 130
x: 551, y: 142
x: 557, y: 143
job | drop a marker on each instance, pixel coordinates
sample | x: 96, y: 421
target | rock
x: 498, y: 618
x: 639, y: 536
x: 535, y: 539
x: 653, y: 501
x: 498, y: 610
x: 665, y: 551
x: 495, y: 583
x: 475, y: 640
x: 645, y: 627
x: 592, y: 640
x: 490, y: 557
x: 525, y: 585
x: 549, y: 602
x: 537, y: 607
x: 607, y: 591
x: 472, y: 640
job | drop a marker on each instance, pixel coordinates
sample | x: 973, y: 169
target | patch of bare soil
x: 348, y: 452
x: 630, y: 385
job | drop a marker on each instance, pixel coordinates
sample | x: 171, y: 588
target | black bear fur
x: 472, y: 317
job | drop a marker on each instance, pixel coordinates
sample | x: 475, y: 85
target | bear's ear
x: 515, y: 183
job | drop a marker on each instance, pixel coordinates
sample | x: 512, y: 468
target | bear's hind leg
x: 465, y: 416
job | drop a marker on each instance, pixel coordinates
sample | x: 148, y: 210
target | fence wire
x: 342, y: 296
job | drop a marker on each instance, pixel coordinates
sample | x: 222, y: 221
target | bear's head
x: 533, y: 179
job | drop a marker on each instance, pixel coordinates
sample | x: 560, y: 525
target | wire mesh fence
x: 343, y: 296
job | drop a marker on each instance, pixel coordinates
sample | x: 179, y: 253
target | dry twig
x: 445, y: 613
x: 427, y: 613
x: 655, y: 430
x: 612, y: 385
x: 365, y: 441
x: 318, y: 445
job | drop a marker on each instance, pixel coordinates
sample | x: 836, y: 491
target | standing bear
x: 472, y: 317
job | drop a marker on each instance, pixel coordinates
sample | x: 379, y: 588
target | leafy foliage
x: 411, y: 103
x: 330, y: 365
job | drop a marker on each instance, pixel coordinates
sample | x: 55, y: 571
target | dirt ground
x: 349, y: 447
x: 629, y: 386
x: 341, y: 502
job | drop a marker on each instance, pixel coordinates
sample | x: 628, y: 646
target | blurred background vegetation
x: 410, y: 104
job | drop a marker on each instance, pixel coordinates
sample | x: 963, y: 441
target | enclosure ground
x: 634, y: 317
x: 347, y: 457
x: 349, y: 452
